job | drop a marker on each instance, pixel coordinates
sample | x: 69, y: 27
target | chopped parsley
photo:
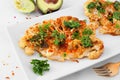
x: 46, y: 26
x: 91, y: 5
x: 100, y: 9
x: 116, y: 15
x: 96, y: 5
x: 59, y: 37
x: 86, y: 41
x: 35, y: 38
x: 64, y: 54
x: 42, y: 33
x: 72, y: 24
x: 76, y: 35
x: 117, y: 26
x: 117, y: 5
x: 40, y: 66
x: 87, y: 31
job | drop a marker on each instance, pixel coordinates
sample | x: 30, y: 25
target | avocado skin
x: 49, y: 10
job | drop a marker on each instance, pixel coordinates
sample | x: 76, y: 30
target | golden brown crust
x: 106, y: 26
x: 71, y: 47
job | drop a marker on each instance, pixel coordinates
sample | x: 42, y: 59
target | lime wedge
x: 25, y: 6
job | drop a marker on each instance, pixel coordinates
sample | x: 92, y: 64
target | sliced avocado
x: 25, y: 6
x: 46, y: 6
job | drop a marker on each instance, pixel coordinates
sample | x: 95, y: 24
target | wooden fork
x: 108, y: 70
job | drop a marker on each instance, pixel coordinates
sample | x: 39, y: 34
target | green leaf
x: 87, y: 31
x: 59, y: 37
x: 117, y: 26
x: 86, y: 41
x: 72, y: 24
x: 62, y: 36
x: 56, y: 41
x: 76, y: 35
x: 91, y: 5
x: 64, y: 54
x: 40, y: 66
x: 54, y: 33
x: 116, y: 15
x: 117, y: 5
x: 100, y: 9
x: 42, y: 33
x: 46, y: 26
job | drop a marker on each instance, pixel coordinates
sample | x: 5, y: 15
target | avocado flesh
x: 25, y: 6
x: 48, y: 7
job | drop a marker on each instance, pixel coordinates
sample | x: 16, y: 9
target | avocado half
x: 47, y: 6
x: 25, y: 6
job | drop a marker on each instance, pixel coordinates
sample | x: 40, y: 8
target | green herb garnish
x: 42, y: 33
x: 116, y: 15
x: 100, y: 9
x: 76, y: 35
x: 96, y: 5
x: 117, y: 26
x: 57, y: 41
x: 87, y: 31
x: 64, y: 54
x: 117, y: 5
x: 72, y: 24
x: 40, y: 66
x: 86, y: 41
x: 91, y: 5
x: 35, y: 38
x: 46, y: 26
x: 59, y: 37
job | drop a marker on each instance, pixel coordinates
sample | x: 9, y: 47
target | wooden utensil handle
x: 118, y: 63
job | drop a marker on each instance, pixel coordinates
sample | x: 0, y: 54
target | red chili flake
x: 26, y: 17
x: 14, y: 17
x: 13, y: 73
x: 7, y: 77
x: 17, y: 67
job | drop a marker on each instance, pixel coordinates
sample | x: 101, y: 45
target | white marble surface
x: 8, y: 63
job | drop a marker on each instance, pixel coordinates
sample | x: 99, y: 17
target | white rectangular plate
x: 60, y: 69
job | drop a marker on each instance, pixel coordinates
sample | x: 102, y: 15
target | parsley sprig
x: 116, y: 15
x: 59, y: 37
x: 40, y: 66
x: 117, y: 26
x: 117, y: 5
x: 72, y: 24
x: 42, y: 33
x: 76, y: 35
x: 87, y: 31
x: 86, y: 41
x: 96, y: 5
x: 91, y: 5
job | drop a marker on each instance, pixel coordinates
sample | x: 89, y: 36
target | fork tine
x: 104, y: 75
x: 105, y: 72
x: 99, y: 68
